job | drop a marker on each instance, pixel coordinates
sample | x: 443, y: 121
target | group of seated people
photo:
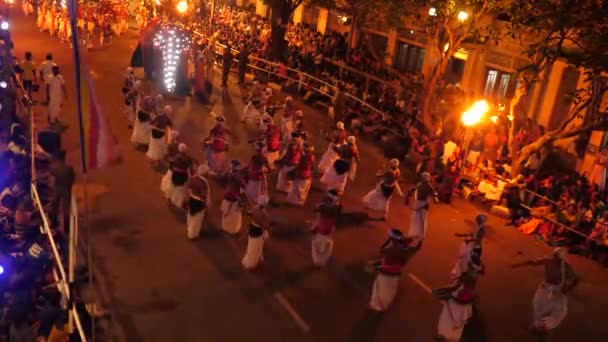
x: 563, y: 209
x: 32, y: 307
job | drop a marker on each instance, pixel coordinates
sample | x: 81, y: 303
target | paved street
x: 161, y: 287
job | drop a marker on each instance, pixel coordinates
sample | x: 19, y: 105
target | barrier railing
x: 62, y: 279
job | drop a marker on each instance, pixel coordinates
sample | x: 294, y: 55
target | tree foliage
x: 575, y: 32
x: 447, y: 24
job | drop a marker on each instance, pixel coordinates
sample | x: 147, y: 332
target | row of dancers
x: 286, y: 150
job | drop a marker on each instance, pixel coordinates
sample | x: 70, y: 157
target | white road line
x: 292, y: 312
x: 420, y: 283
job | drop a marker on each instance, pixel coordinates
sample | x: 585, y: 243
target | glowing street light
x: 4, y: 25
x: 475, y: 114
x: 432, y: 12
x: 182, y: 7
x: 462, y: 15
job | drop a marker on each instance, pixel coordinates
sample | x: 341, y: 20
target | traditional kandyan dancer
x: 550, y: 303
x: 379, y: 198
x: 394, y: 255
x: 287, y: 124
x: 142, y: 127
x: 272, y: 138
x: 328, y: 212
x: 336, y: 139
x: 257, y: 184
x: 457, y: 301
x: 470, y: 251
x: 288, y: 162
x: 251, y: 110
x: 215, y: 147
x: 336, y: 176
x: 233, y: 200
x: 166, y: 185
x: 302, y: 177
x: 159, y: 103
x: 199, y: 198
x: 157, y: 147
x: 423, y: 193
x: 132, y: 102
x: 181, y: 168
x: 350, y: 153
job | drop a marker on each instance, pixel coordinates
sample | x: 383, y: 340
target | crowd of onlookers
x: 32, y: 307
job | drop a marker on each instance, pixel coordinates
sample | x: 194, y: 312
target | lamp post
x: 211, y: 13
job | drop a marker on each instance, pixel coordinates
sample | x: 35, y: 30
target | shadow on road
x: 366, y: 329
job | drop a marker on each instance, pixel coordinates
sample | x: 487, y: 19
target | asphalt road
x: 161, y: 287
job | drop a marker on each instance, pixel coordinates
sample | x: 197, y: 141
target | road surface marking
x: 292, y: 312
x: 420, y: 283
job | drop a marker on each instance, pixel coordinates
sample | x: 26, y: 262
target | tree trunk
x: 429, y: 92
x: 519, y: 94
x: 279, y: 18
x: 528, y: 150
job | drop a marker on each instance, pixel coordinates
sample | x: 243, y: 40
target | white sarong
x: 194, y: 224
x: 254, y: 253
x: 178, y: 195
x: 299, y: 191
x: 157, y: 149
x: 375, y: 200
x: 452, y: 320
x: 141, y: 133
x: 166, y: 184
x: 333, y: 180
x: 284, y: 184
x: 257, y: 192
x: 550, y: 306
x: 384, y: 291
x: 418, y: 221
x: 328, y: 159
x: 322, y: 247
x: 231, y: 216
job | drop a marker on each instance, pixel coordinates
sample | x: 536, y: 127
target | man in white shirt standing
x: 57, y: 93
x: 46, y: 73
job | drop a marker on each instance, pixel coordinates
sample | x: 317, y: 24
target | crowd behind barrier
x: 40, y: 299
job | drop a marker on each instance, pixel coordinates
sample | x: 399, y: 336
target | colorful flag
x: 100, y: 145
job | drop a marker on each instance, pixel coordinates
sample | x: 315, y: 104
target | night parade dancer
x: 161, y: 127
x: 550, y: 302
x: 251, y: 111
x: 232, y: 217
x: 143, y: 123
x: 350, y: 153
x: 257, y: 183
x: 132, y: 98
x: 470, y: 251
x: 379, y: 198
x: 159, y: 103
x: 199, y: 198
x: 336, y: 139
x: 181, y: 168
x: 288, y: 162
x: 272, y: 138
x: 215, y: 147
x: 166, y: 185
x: 322, y: 242
x: 394, y: 255
x: 129, y: 81
x: 336, y: 176
x: 457, y: 305
x: 423, y: 194
x: 302, y: 176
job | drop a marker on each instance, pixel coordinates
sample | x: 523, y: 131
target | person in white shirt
x: 46, y: 72
x: 57, y: 93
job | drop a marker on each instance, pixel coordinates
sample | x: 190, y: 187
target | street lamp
x: 4, y: 25
x: 462, y: 16
x: 182, y: 7
x: 432, y: 12
x: 475, y: 114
